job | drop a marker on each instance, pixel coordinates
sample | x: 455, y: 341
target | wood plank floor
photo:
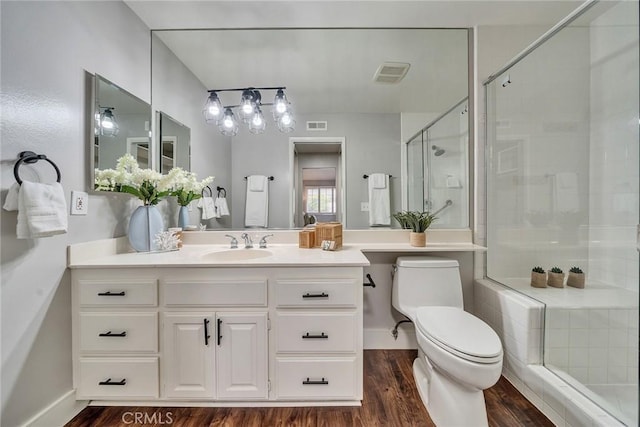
x: 390, y: 399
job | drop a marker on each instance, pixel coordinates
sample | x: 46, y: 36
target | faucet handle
x: 263, y: 241
x: 234, y: 241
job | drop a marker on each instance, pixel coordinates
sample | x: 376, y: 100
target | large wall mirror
x: 334, y: 81
x: 122, y: 124
x: 174, y: 143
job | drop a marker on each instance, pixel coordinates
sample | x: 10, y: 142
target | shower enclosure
x: 437, y: 159
x: 562, y: 191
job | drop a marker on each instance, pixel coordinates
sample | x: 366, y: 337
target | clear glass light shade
x: 108, y: 124
x: 286, y: 123
x: 228, y: 125
x: 249, y: 102
x: 280, y: 104
x: 213, y: 109
x: 257, y: 124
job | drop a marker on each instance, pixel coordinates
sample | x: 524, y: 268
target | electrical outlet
x: 79, y: 203
x: 364, y: 206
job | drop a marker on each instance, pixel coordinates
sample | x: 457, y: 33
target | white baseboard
x: 59, y: 412
x: 379, y: 339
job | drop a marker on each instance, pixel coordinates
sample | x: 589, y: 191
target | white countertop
x: 115, y: 253
x: 222, y: 256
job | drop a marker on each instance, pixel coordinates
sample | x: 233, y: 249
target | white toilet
x: 458, y: 354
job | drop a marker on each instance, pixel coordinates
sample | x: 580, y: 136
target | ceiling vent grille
x: 317, y: 126
x: 391, y: 72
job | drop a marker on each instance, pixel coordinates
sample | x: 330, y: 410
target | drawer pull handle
x: 206, y: 331
x: 109, y: 382
x: 321, y: 336
x: 110, y: 334
x: 219, y: 331
x: 322, y: 295
x: 310, y: 382
x: 111, y: 294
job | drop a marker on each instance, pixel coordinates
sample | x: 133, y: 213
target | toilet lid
x: 460, y: 333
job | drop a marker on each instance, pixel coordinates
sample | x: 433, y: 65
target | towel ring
x: 221, y: 190
x: 31, y: 157
x: 207, y: 188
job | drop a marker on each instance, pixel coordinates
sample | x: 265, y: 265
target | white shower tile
x: 557, y: 319
x: 618, y: 318
x: 597, y: 375
x: 557, y: 356
x: 598, y: 338
x: 557, y: 338
x: 616, y: 357
x: 578, y: 357
x: 618, y: 338
x: 578, y: 338
x: 578, y: 319
x: 580, y: 374
x: 617, y: 374
x: 598, y: 357
x: 598, y: 319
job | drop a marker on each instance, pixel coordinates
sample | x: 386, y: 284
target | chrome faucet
x: 248, y: 243
x: 234, y: 241
x: 263, y: 241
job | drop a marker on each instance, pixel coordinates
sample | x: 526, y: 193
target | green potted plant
x: 418, y: 222
x: 538, y: 277
x: 576, y: 278
x: 556, y: 278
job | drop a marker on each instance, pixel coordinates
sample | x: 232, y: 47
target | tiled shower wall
x: 594, y: 346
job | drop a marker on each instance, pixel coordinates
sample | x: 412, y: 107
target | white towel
x: 42, y: 209
x: 256, y: 182
x: 378, y: 180
x: 208, y: 208
x: 256, y: 213
x: 567, y: 199
x: 379, y: 204
x: 222, y: 209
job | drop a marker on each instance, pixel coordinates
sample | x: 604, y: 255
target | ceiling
x: 331, y: 71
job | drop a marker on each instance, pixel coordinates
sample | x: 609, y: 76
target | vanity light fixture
x: 249, y: 110
x: 107, y: 124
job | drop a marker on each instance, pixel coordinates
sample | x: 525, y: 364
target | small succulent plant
x: 576, y: 270
x: 538, y: 270
x: 556, y: 270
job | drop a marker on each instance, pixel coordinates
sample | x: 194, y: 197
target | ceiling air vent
x: 317, y: 126
x: 391, y: 72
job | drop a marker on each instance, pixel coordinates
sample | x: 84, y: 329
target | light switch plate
x: 79, y: 203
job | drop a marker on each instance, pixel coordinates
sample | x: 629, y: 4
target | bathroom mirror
x: 338, y: 87
x: 174, y: 143
x: 122, y: 123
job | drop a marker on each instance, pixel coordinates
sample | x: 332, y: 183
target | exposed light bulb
x: 214, y: 110
x: 228, y: 122
x: 281, y: 107
x: 107, y: 124
x: 257, y: 120
x: 247, y: 108
x: 286, y: 119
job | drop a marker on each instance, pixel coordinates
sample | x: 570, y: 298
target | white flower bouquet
x: 185, y: 185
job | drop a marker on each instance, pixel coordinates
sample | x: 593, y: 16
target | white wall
x: 46, y: 46
x: 372, y: 144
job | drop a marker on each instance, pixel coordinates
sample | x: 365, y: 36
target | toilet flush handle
x: 394, y: 268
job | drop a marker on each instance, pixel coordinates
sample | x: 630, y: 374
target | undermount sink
x: 236, y: 255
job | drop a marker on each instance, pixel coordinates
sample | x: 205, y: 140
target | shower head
x: 438, y: 151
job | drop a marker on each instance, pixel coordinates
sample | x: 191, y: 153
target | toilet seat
x: 459, y: 333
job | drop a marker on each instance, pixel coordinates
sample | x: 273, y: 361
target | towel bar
x: 367, y: 176
x: 31, y: 157
x: 270, y: 178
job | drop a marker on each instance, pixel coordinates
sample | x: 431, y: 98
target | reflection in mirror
x: 437, y: 168
x: 126, y: 129
x: 334, y: 77
x: 318, y: 176
x: 174, y: 143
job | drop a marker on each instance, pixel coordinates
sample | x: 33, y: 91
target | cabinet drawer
x: 316, y: 293
x: 210, y: 293
x: 119, y: 332
x: 316, y: 332
x: 118, y: 293
x: 316, y: 378
x: 118, y: 378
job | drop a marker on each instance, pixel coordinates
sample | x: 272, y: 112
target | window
x: 321, y: 200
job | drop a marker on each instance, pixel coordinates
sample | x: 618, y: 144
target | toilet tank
x: 424, y: 281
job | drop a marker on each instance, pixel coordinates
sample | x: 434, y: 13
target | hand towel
x: 378, y: 180
x: 256, y: 182
x: 256, y: 213
x: 379, y: 203
x: 208, y: 208
x: 222, y: 209
x: 566, y: 192
x: 42, y: 209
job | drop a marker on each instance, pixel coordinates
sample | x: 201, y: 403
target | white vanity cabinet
x: 218, y: 334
